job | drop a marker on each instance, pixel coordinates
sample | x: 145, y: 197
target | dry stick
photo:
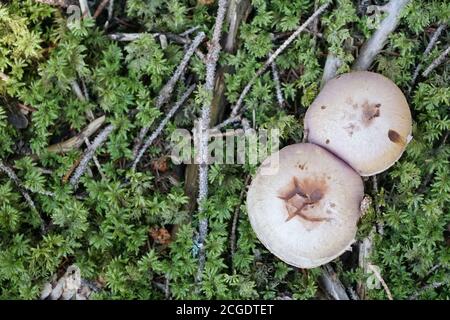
x: 272, y: 58
x: 380, y: 278
x: 374, y: 45
x: 436, y: 62
x: 100, y: 8
x: 161, y: 126
x: 166, y: 91
x: 427, y: 51
x: 211, y: 62
x: 276, y: 79
x: 98, y: 141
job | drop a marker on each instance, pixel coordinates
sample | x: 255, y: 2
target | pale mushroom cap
x: 322, y: 229
x: 363, y: 118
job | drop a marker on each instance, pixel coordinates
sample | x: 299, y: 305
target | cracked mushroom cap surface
x: 363, y: 118
x: 306, y: 211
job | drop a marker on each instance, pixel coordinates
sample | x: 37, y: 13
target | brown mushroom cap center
x: 300, y: 195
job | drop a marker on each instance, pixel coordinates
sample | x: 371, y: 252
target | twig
x: 100, y: 8
x: 436, y: 62
x: 98, y: 141
x: 97, y: 163
x: 189, y: 31
x: 276, y: 79
x: 331, y: 284
x: 166, y: 91
x: 161, y: 126
x: 272, y: 58
x: 60, y: 3
x: 236, y: 218
x: 373, y: 46
x: 227, y: 122
x: 380, y: 278
x: 211, y: 62
x: 427, y: 51
x: 10, y: 173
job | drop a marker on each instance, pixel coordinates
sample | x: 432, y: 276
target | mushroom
x: 363, y: 118
x: 306, y: 211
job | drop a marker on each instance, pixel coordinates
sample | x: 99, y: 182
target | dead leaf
x: 160, y: 235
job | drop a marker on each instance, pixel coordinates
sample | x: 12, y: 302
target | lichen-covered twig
x: 161, y: 126
x: 436, y: 62
x: 87, y: 156
x: 373, y: 46
x: 276, y: 79
x: 166, y: 92
x: 428, y: 49
x: 97, y: 163
x: 211, y: 62
x: 128, y: 37
x: 60, y: 3
x: 272, y: 58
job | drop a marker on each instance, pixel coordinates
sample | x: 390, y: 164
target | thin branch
x: 97, y: 143
x: 166, y: 92
x: 427, y: 51
x: 189, y: 31
x: 100, y: 8
x: 272, y: 58
x: 436, y: 62
x: 276, y: 79
x: 380, y: 278
x: 60, y: 3
x: 11, y: 174
x: 211, y: 62
x: 161, y: 126
x: 97, y: 163
x: 373, y: 46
